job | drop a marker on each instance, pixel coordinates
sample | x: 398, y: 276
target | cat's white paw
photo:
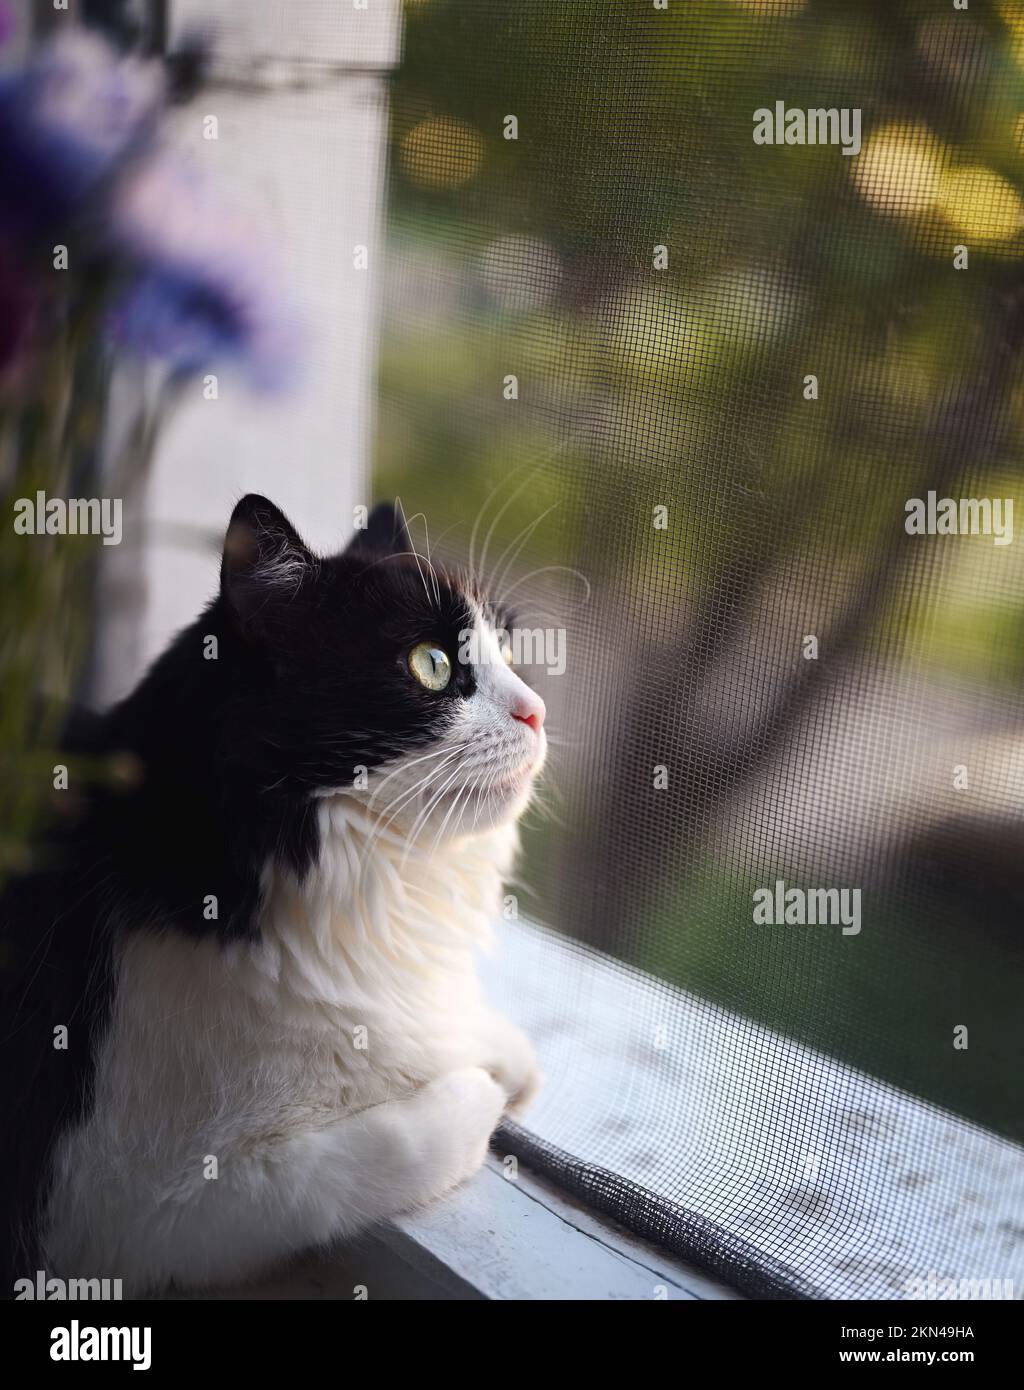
x: 513, y: 1063
x: 461, y: 1111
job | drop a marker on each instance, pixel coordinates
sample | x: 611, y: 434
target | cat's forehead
x: 408, y: 586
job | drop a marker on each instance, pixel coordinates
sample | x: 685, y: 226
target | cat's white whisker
x: 410, y: 794
x: 404, y: 766
x: 503, y: 564
x: 421, y: 821
x: 444, y: 824
x: 421, y: 516
x: 415, y: 554
x: 491, y: 529
x: 549, y: 569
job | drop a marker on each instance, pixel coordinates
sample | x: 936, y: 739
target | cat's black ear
x: 265, y: 562
x: 385, y: 532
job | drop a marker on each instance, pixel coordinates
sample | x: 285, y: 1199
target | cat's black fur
x: 220, y: 759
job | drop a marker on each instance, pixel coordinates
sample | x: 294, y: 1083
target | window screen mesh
x: 691, y: 382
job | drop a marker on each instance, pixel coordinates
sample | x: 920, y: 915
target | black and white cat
x: 262, y: 947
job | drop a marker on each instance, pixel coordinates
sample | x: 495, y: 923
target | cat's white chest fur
x: 254, y: 1099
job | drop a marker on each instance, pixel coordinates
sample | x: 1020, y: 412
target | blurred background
x: 524, y: 267
x: 683, y: 386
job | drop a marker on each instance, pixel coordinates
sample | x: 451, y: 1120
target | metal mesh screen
x: 710, y: 314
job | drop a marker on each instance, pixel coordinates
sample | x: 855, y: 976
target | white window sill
x: 797, y: 1127
x: 494, y: 1239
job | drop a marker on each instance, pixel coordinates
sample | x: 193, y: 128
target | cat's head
x: 378, y: 676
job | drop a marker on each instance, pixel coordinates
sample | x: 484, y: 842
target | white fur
x: 248, y: 1054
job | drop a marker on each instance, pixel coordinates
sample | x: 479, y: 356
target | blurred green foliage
x: 48, y: 432
x: 634, y: 132
x: 683, y: 385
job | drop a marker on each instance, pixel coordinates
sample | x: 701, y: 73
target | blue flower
x: 193, y: 322
x: 70, y: 118
x: 82, y: 154
x: 201, y: 292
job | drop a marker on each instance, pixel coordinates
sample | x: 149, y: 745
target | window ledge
x: 802, y: 1145
x: 523, y: 1239
x: 857, y: 1188
x: 496, y: 1238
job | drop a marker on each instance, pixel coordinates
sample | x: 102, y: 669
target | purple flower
x: 200, y: 295
x: 70, y: 117
x: 81, y: 154
x: 195, y: 321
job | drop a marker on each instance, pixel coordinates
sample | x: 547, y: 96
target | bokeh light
x: 900, y: 169
x: 979, y: 204
x: 442, y: 152
x: 520, y: 272
x: 771, y: 9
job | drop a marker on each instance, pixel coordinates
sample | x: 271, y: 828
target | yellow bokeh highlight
x: 771, y: 9
x: 900, y: 169
x: 980, y: 204
x: 442, y: 152
x: 1012, y: 14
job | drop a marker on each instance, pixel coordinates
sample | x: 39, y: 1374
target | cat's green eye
x: 430, y: 665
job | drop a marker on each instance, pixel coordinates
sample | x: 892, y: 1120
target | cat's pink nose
x: 530, y: 709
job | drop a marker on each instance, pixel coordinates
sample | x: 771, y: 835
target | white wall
x: 299, y: 97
